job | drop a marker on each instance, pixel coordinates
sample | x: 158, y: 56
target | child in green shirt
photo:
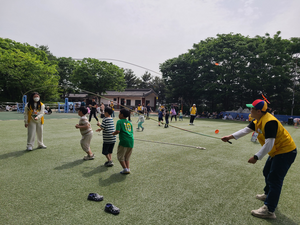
x: 125, y: 131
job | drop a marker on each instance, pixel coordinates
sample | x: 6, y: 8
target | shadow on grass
x: 14, y: 154
x: 70, y: 165
x: 98, y: 169
x: 114, y: 178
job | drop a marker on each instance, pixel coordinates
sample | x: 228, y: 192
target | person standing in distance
x: 93, y: 110
x: 112, y: 106
x: 34, y: 120
x: 83, y: 103
x: 193, y: 113
x: 280, y: 146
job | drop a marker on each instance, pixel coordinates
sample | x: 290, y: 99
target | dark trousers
x: 274, y: 172
x: 93, y: 113
x: 167, y: 123
x: 175, y: 117
x: 192, y: 119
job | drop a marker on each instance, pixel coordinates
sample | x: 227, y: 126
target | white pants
x: 32, y: 129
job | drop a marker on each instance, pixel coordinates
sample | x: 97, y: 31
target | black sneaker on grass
x: 110, y: 208
x: 95, y: 197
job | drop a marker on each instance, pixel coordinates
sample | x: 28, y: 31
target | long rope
x: 188, y: 146
x: 152, y: 118
x: 95, y: 94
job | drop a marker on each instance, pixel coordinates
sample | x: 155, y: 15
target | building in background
x: 131, y: 98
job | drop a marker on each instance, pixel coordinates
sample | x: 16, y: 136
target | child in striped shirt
x: 109, y: 140
x: 86, y: 132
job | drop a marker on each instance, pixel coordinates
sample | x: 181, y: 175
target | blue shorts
x: 107, y: 148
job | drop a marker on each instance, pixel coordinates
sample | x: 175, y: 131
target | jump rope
x: 130, y: 110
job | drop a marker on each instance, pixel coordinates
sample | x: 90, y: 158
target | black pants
x: 175, y: 117
x: 93, y: 113
x: 192, y: 119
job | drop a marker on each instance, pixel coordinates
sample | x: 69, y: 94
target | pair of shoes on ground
x: 87, y: 157
x: 110, y: 208
x: 125, y: 171
x: 191, y: 124
x: 109, y: 163
x: 263, y: 212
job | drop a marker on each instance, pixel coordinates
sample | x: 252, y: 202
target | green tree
x: 65, y: 68
x: 157, y: 84
x: 145, y: 80
x: 225, y: 72
x: 24, y: 68
x: 131, y: 79
x: 98, y: 76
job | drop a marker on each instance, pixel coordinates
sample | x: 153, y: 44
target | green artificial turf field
x: 167, y: 185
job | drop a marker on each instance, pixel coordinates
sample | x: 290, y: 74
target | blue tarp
x: 281, y: 118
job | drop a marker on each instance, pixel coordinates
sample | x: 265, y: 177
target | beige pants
x: 32, y: 129
x: 86, y: 141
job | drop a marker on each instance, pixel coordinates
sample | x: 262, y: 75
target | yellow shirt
x: 283, y: 142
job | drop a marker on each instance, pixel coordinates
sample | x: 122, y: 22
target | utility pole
x: 294, y: 81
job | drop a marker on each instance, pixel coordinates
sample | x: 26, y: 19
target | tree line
x: 24, y: 68
x: 217, y: 74
x: 231, y: 70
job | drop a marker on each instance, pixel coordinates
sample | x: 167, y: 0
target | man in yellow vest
x: 193, y: 114
x: 280, y: 146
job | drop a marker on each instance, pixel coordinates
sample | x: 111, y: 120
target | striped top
x: 108, y: 128
x: 83, y: 122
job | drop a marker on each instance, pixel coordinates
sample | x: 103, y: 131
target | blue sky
x: 142, y: 32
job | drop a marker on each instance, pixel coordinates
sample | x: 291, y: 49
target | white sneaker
x: 263, y: 212
x: 42, y: 147
x: 125, y: 171
x: 87, y: 157
x: 261, y: 197
x: 29, y: 148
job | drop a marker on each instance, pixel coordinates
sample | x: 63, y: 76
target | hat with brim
x: 258, y: 104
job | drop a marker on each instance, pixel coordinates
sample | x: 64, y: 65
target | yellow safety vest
x: 193, y: 111
x: 112, y: 106
x: 283, y: 142
x: 250, y: 118
x: 30, y: 111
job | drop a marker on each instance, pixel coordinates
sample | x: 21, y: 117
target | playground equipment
x: 69, y: 107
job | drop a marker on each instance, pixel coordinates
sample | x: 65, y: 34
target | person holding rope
x: 93, y: 110
x: 173, y: 113
x: 193, y: 113
x: 280, y: 146
x: 111, y: 105
x: 34, y: 121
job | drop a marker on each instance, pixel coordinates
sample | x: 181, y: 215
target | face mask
x: 36, y: 99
